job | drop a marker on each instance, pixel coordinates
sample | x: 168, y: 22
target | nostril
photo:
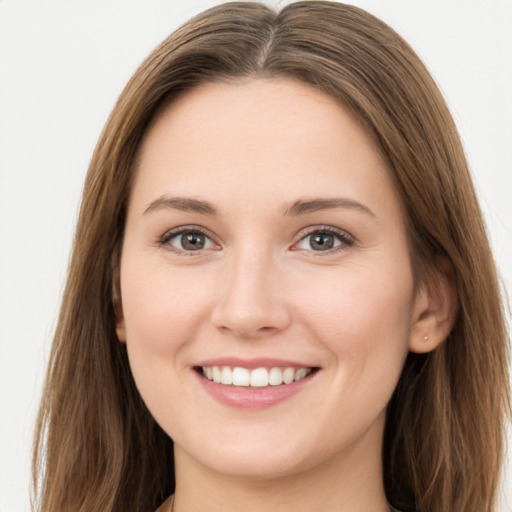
x: 252, y: 333
x: 251, y: 325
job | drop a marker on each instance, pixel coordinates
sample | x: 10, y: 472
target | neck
x: 342, y: 483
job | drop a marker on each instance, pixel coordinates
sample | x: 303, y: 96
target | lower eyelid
x: 208, y: 242
x: 344, y: 238
x: 166, y: 238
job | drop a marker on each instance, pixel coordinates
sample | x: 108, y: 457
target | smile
x: 256, y: 378
x: 254, y: 384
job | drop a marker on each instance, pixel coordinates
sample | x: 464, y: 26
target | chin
x: 258, y: 467
x: 250, y: 460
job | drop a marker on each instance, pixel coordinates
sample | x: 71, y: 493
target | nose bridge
x: 250, y: 302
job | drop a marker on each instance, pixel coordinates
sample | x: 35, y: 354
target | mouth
x: 262, y: 377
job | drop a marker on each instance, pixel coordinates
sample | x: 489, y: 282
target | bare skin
x: 264, y: 224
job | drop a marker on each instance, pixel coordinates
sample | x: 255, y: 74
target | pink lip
x: 249, y: 397
x: 251, y: 364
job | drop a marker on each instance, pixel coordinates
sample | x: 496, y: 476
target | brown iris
x: 193, y: 241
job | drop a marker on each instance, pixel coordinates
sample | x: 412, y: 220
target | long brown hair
x: 98, y: 448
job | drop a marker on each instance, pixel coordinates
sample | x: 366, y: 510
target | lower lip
x: 253, y: 398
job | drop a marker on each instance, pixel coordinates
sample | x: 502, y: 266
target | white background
x: 62, y: 65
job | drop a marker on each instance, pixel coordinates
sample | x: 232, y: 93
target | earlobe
x: 435, y: 309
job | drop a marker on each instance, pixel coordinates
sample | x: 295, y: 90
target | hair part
x: 98, y: 448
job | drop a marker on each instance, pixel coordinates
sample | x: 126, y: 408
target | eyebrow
x: 299, y: 207
x: 184, y: 204
x: 302, y: 207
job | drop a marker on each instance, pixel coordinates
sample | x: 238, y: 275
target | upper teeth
x: 259, y: 377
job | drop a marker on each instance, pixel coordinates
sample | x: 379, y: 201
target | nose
x: 251, y: 301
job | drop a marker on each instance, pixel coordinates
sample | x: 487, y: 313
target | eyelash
x: 344, y: 239
x: 166, y: 238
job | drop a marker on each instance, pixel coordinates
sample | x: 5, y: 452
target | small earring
x: 426, y: 338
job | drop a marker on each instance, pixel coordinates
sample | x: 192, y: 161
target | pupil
x: 192, y: 241
x: 322, y: 242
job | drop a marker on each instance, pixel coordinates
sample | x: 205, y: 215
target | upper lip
x: 250, y: 364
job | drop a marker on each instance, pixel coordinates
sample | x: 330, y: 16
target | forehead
x: 255, y: 137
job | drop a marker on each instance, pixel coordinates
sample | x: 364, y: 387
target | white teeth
x: 241, y: 376
x: 258, y: 378
x: 288, y: 375
x: 226, y: 376
x: 216, y: 375
x: 300, y: 374
x: 275, y: 377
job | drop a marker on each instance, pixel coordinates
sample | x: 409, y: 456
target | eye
x: 325, y: 240
x: 187, y: 240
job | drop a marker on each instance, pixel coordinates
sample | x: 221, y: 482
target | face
x: 267, y: 295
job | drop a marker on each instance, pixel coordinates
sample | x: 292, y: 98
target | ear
x: 116, y: 294
x: 120, y: 327
x: 435, y: 308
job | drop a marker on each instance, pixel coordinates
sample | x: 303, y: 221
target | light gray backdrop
x: 62, y: 65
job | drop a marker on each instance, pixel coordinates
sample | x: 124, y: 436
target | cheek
x: 363, y: 317
x: 162, y: 312
x: 161, y: 309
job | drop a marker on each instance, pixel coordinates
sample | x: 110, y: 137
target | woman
x: 280, y: 264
